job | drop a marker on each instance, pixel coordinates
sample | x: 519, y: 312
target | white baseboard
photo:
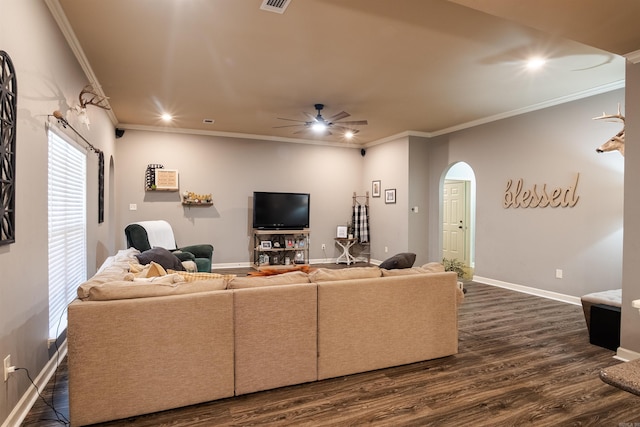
x: 626, y: 355
x: 531, y: 291
x: 28, y: 399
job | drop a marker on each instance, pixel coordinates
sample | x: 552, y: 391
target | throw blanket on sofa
x: 361, y: 223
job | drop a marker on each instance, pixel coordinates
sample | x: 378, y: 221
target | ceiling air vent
x: 277, y: 6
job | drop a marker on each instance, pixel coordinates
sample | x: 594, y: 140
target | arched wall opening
x: 458, y: 213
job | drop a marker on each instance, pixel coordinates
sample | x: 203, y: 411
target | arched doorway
x: 458, y: 206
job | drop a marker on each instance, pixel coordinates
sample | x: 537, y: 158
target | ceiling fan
x: 319, y: 125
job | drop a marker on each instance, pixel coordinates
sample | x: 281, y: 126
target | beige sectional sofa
x: 170, y: 343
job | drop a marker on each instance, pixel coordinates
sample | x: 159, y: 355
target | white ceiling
x: 424, y: 66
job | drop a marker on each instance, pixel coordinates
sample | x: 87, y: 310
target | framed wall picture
x: 375, y: 188
x: 390, y: 195
x: 166, y: 179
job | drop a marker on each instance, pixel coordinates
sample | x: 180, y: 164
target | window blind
x: 66, y: 227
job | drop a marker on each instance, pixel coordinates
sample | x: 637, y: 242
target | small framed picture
x: 390, y: 195
x: 289, y: 243
x: 299, y: 257
x: 341, y: 233
x: 301, y: 243
x: 265, y: 244
x: 375, y: 189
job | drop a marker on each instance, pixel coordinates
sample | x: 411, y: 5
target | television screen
x: 277, y: 211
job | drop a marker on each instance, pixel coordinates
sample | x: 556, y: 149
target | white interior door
x: 454, y: 240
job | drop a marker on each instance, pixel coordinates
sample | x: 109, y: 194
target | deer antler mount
x: 617, y: 141
x: 89, y: 96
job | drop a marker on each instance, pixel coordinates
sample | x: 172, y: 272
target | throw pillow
x: 162, y: 256
x: 401, y: 260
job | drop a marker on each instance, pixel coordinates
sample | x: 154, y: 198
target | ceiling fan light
x: 348, y: 134
x: 319, y: 127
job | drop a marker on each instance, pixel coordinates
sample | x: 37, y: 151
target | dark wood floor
x: 523, y: 360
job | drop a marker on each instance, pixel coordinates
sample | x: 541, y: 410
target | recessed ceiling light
x: 535, y: 63
x: 167, y: 117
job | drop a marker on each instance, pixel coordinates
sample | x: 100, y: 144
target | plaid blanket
x: 361, y: 223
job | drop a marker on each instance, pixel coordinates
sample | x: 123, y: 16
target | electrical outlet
x: 133, y: 207
x: 7, y: 365
x: 324, y: 246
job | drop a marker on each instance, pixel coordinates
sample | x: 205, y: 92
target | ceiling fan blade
x: 292, y: 120
x: 344, y: 129
x: 354, y: 122
x: 289, y: 126
x: 305, y: 130
x: 312, y: 132
x: 312, y: 117
x: 340, y: 115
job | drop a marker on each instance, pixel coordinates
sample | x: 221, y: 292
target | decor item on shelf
x: 191, y: 198
x: 617, y: 141
x: 265, y: 244
x: 166, y: 179
x: 299, y: 258
x: 8, y: 119
x: 341, y: 232
x: 150, y: 176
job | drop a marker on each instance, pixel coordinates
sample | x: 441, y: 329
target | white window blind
x: 67, y: 227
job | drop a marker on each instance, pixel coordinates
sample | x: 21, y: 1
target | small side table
x: 346, y: 245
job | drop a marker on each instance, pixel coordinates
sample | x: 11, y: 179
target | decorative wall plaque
x: 8, y: 117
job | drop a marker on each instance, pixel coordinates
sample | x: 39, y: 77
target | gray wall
x: 526, y: 246
x: 49, y: 79
x: 519, y: 246
x: 388, y: 163
x: 232, y: 169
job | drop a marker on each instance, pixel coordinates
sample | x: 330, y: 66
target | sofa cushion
x: 100, y: 279
x: 433, y: 267
x: 430, y: 268
x: 403, y: 271
x: 128, y: 290
x: 193, y: 276
x: 401, y: 260
x: 162, y: 256
x: 294, y: 277
x: 329, y: 274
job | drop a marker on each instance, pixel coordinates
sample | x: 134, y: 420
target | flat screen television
x: 280, y: 211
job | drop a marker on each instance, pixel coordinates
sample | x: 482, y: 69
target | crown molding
x: 65, y: 27
x: 633, y: 57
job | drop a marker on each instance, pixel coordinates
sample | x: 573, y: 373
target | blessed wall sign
x: 517, y: 196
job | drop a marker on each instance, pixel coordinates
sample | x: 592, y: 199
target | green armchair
x: 145, y: 235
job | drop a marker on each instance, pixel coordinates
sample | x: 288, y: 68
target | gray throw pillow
x: 401, y: 260
x: 161, y: 256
